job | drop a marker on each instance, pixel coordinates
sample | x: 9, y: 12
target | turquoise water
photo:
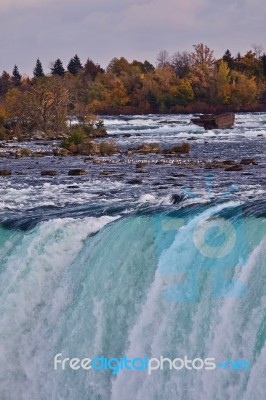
x: 65, y: 289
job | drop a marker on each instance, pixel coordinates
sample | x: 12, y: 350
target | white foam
x: 147, y: 198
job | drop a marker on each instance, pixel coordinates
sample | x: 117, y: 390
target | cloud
x: 18, y: 5
x: 88, y: 5
x: 136, y: 29
x: 171, y: 14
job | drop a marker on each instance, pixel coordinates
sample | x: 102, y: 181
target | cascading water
x: 64, y: 290
x: 91, y: 269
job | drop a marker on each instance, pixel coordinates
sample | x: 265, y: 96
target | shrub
x: 100, y: 124
x: 94, y: 130
x: 90, y: 129
x: 89, y: 147
x: 25, y: 152
x: 87, y: 129
x: 182, y: 148
x: 108, y: 148
x: 76, y: 137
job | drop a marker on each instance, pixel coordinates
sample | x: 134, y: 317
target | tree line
x: 182, y: 82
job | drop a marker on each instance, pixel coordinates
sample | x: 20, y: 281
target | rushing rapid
x: 95, y: 266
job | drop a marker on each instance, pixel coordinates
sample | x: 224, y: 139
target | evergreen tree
x: 38, y: 71
x: 147, y: 66
x: 238, y: 63
x: 151, y: 98
x: 16, y: 77
x: 5, y: 83
x: 227, y: 57
x: 74, y: 65
x: 5, y: 76
x: 263, y: 61
x: 58, y: 68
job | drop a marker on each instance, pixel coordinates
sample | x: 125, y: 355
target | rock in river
x: 49, y: 172
x: 77, y: 171
x: 248, y: 161
x: 235, y: 167
x: 5, y: 172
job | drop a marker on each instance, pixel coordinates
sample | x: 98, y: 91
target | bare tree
x: 258, y: 49
x: 163, y: 59
x: 202, y: 55
x: 41, y: 106
x: 180, y: 62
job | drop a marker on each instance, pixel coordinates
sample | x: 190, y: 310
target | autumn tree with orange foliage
x: 184, y: 82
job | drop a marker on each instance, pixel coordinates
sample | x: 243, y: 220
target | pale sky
x: 135, y: 29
